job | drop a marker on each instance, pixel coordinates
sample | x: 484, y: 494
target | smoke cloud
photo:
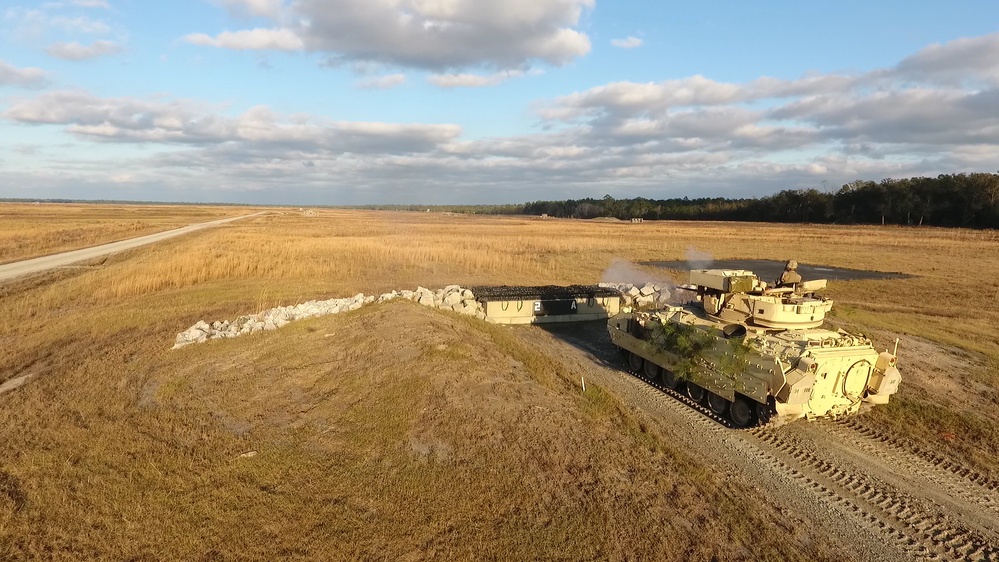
x: 623, y: 271
x: 698, y: 259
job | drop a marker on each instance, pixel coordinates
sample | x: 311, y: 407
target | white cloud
x: 264, y: 8
x: 381, y: 82
x: 472, y: 80
x: 627, y: 43
x: 438, y: 35
x: 918, y: 116
x: 972, y: 58
x: 90, y: 3
x: 34, y: 24
x: 24, y: 77
x: 253, y: 39
x: 133, y: 120
x: 632, y: 98
x: 77, y: 52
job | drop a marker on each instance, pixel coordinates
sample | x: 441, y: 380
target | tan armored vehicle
x: 750, y: 351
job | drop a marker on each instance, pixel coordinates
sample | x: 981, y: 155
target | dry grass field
x: 397, y: 432
x: 30, y: 230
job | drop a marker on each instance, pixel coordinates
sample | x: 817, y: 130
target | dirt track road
x: 879, y: 498
x: 44, y: 263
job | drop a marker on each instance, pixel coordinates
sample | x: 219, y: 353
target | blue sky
x: 487, y: 101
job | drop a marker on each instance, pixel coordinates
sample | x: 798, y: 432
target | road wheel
x: 765, y: 411
x: 635, y: 362
x: 670, y: 379
x: 742, y: 412
x: 717, y: 404
x: 696, y: 393
x: 652, y: 371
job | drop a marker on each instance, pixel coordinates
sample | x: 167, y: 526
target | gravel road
x: 44, y: 263
x: 879, y: 497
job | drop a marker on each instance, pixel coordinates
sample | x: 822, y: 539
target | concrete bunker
x: 547, y: 304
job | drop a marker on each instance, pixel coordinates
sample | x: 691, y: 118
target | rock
x: 647, y: 289
x: 634, y: 291
x: 451, y: 297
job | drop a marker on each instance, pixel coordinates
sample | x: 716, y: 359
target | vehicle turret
x: 735, y: 295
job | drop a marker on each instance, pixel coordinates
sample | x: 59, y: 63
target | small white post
x: 582, y: 380
x: 896, y: 348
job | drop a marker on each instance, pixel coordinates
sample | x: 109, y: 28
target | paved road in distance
x: 44, y: 263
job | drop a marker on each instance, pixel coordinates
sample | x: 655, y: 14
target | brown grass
x: 29, y: 230
x: 376, y: 442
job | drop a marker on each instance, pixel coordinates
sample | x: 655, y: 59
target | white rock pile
x: 644, y: 297
x: 452, y: 297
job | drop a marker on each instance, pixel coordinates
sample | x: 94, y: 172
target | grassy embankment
x: 408, y: 432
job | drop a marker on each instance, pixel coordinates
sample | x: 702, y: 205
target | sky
x: 351, y: 102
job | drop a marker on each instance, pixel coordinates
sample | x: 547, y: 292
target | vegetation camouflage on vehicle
x: 752, y: 351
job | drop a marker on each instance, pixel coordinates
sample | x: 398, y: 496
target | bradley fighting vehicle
x: 751, y: 351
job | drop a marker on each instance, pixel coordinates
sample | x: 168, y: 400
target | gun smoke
x: 698, y: 259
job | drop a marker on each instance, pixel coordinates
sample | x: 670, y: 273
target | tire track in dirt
x: 944, y: 465
x: 872, y: 495
x: 832, y: 487
x: 958, y: 480
x: 915, y: 523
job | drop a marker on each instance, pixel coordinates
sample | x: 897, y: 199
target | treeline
x: 959, y: 200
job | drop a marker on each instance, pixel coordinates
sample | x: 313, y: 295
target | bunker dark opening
x: 548, y: 292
